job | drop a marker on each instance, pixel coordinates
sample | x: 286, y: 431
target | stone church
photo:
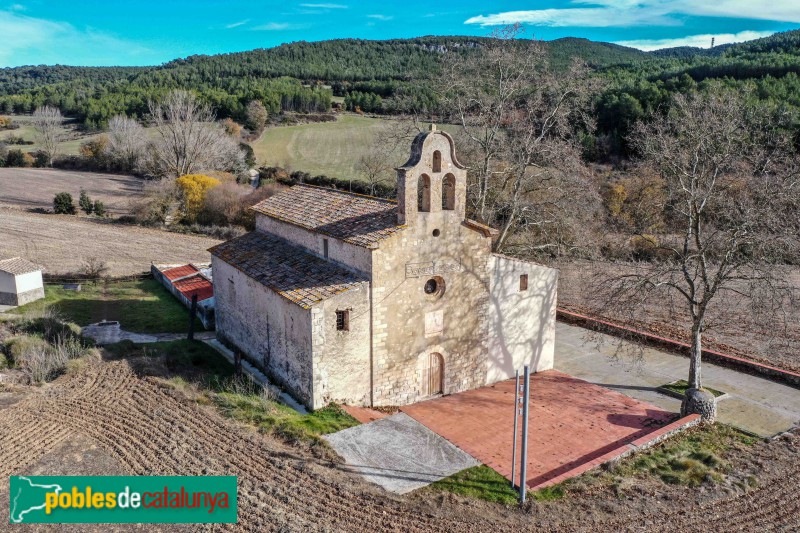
x: 365, y: 301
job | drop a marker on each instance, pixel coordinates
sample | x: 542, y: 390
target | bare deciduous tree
x: 49, y: 133
x: 189, y: 140
x: 519, y: 120
x: 376, y: 167
x: 732, y: 216
x: 127, y: 141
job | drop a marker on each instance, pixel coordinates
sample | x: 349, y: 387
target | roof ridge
x: 349, y: 193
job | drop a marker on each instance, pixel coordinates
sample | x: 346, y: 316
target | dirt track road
x: 146, y: 428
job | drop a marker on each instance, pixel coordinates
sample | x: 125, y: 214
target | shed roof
x: 18, y: 266
x: 196, y: 284
x: 293, y: 273
x: 354, y: 218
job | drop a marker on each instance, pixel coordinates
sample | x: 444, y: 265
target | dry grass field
x: 34, y: 188
x: 61, y: 243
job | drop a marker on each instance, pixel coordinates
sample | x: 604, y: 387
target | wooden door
x: 435, y: 374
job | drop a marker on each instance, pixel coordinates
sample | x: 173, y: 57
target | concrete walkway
x: 754, y: 403
x: 398, y: 453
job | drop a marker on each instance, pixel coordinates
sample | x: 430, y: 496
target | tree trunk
x: 696, y: 356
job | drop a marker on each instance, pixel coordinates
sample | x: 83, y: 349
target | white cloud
x: 279, y: 26
x: 237, y: 24
x: 620, y: 13
x: 28, y: 40
x: 380, y: 17
x: 325, y: 6
x: 700, y: 41
x: 17, y: 7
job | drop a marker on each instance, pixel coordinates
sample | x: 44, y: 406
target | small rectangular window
x: 325, y: 248
x: 343, y: 320
x: 523, y: 282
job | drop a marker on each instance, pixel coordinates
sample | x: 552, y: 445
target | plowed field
x: 144, y: 427
x: 61, y: 243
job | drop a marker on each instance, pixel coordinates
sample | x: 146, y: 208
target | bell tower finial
x: 432, y: 185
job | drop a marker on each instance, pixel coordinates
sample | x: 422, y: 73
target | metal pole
x: 516, y: 423
x: 192, y: 314
x: 524, y: 459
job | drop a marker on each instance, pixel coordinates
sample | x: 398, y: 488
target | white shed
x: 20, y: 281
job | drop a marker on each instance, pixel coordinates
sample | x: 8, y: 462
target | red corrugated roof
x: 195, y: 285
x: 179, y: 272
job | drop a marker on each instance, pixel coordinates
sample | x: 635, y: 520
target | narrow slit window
x: 523, y: 282
x: 325, y: 248
x: 342, y: 320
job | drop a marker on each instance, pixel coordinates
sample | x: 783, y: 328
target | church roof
x: 288, y: 270
x: 353, y: 218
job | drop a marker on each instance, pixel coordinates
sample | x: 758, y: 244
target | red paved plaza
x: 574, y: 425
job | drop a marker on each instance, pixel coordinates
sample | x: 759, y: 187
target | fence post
x: 516, y: 423
x: 192, y: 314
x: 523, y: 486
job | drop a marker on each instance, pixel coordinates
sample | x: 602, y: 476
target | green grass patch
x: 181, y: 356
x: 143, y: 306
x: 329, y: 148
x: 479, y: 482
x: 277, y: 419
x: 483, y: 483
x: 692, y: 458
x: 680, y: 387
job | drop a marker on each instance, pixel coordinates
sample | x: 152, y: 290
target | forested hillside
x: 394, y: 77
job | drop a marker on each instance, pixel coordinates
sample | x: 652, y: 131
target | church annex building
x: 365, y: 301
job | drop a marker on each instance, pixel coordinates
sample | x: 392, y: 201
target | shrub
x: 193, y: 189
x: 99, y: 208
x: 85, y: 203
x: 63, y: 205
x: 4, y: 363
x: 40, y: 159
x: 94, y: 268
x: 15, y: 158
x: 19, y: 347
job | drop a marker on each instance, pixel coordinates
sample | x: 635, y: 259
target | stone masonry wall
x: 273, y: 332
x: 346, y: 254
x: 342, y: 358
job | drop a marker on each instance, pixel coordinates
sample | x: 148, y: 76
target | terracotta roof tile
x: 196, y: 284
x: 178, y: 272
x: 295, y: 274
x: 18, y: 266
x: 354, y: 218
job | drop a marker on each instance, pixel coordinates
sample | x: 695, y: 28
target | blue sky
x: 145, y: 32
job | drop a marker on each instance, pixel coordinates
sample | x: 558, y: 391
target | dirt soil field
x: 115, y: 417
x: 734, y: 332
x: 34, y: 188
x: 61, y: 243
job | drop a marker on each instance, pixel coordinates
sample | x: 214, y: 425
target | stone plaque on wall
x: 434, y: 323
x: 431, y: 268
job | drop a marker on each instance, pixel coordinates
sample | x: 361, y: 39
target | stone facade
x: 436, y: 313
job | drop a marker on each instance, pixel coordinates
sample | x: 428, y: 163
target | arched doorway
x: 435, y: 374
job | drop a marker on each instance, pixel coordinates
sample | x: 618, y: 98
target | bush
x: 99, y: 208
x: 63, y: 205
x: 15, y: 158
x: 4, y: 363
x: 85, y: 203
x: 18, y: 347
x: 193, y: 189
x: 40, y: 159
